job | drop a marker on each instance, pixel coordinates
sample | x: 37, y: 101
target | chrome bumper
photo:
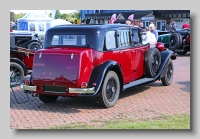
x: 27, y: 87
x: 82, y: 90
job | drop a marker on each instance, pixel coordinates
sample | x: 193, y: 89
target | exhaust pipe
x: 34, y: 95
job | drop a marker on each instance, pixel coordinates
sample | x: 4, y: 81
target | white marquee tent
x: 38, y: 23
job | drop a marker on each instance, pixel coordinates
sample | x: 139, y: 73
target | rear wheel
x: 47, y: 98
x: 110, y: 90
x: 167, y: 79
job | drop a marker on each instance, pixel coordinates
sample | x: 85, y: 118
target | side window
x: 136, y: 39
x: 124, y: 38
x: 110, y: 40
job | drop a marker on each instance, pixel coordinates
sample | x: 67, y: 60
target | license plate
x: 30, y: 88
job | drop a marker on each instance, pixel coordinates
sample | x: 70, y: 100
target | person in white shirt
x: 150, y: 37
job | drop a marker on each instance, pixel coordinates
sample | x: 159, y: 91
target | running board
x: 138, y: 82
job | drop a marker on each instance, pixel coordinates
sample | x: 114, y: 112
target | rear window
x: 77, y: 40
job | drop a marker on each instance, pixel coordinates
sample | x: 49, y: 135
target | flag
x: 113, y: 18
x: 131, y: 17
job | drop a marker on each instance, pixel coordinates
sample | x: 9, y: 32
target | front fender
x: 98, y: 75
x: 165, y: 55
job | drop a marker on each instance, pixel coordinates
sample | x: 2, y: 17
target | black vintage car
x: 22, y: 48
x: 25, y: 39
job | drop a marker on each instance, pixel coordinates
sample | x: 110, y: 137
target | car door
x: 138, y: 51
x: 125, y: 55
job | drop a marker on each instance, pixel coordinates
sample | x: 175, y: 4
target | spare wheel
x: 174, y: 41
x: 152, y: 62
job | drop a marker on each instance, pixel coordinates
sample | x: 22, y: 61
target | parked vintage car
x: 178, y: 41
x: 23, y: 45
x: 99, y: 62
x: 25, y: 39
x: 21, y: 61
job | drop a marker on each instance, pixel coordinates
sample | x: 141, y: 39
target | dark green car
x: 164, y: 39
x: 178, y: 41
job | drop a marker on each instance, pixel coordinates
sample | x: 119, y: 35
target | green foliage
x: 17, y: 16
x: 71, y: 17
x: 12, y: 16
x: 58, y: 15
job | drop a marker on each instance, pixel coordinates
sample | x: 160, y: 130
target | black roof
x: 88, y: 26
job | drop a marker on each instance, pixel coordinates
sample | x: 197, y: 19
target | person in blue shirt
x: 153, y: 30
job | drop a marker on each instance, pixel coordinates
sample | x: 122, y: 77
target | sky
x: 40, y: 11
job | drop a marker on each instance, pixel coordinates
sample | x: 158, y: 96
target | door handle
x: 133, y: 51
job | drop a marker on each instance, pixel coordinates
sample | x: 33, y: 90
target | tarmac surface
x: 143, y: 102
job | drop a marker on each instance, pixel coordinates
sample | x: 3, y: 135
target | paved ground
x: 148, y: 101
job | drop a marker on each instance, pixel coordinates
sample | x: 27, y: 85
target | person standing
x: 185, y: 25
x: 150, y: 37
x: 135, y: 23
x: 153, y: 30
x: 141, y: 26
x: 174, y: 26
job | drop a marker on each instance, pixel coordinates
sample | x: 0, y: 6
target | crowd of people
x: 151, y: 34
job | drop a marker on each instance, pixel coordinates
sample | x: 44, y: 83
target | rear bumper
x: 28, y: 87
x: 71, y: 90
x: 82, y: 90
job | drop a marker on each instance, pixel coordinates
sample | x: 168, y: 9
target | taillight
x: 27, y: 82
x: 84, y: 85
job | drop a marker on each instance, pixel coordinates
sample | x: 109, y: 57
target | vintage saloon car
x: 99, y: 61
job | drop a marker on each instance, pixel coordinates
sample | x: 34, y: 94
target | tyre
x: 180, y: 41
x: 47, y: 98
x: 110, y: 90
x: 182, y: 52
x: 174, y: 41
x: 167, y: 79
x: 17, y: 70
x: 34, y: 46
x: 152, y: 62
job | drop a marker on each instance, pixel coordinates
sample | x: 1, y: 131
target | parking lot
x: 143, y: 102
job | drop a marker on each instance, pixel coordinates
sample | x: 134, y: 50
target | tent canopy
x: 57, y: 22
x: 35, y: 16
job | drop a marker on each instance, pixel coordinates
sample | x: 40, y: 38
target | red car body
x: 84, y: 69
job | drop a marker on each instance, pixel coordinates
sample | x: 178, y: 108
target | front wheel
x: 167, y: 79
x: 110, y: 90
x: 47, y: 98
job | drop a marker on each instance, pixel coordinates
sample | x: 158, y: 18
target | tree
x: 65, y: 16
x: 58, y: 14
x: 12, y: 16
x: 17, y: 16
x: 77, y: 15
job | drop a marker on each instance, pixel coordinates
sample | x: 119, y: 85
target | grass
x: 164, y: 122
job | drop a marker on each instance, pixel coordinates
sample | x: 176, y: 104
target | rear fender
x: 98, y: 75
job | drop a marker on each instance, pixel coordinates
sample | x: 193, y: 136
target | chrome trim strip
x: 82, y: 90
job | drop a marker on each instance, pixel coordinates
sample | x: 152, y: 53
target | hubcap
x: 111, y: 90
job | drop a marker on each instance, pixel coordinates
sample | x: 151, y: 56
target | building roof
x: 125, y: 15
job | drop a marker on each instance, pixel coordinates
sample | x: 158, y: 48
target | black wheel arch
x: 165, y: 56
x: 99, y: 73
x: 21, y: 63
